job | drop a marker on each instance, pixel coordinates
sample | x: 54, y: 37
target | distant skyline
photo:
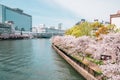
x: 67, y: 12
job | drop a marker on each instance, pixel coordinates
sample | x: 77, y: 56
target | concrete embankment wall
x: 79, y: 69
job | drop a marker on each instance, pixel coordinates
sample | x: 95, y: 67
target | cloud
x: 88, y: 9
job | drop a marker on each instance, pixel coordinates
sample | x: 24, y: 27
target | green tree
x: 81, y: 29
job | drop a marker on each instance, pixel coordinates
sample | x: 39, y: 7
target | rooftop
x: 20, y: 11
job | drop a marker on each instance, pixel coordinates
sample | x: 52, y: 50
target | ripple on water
x: 33, y: 60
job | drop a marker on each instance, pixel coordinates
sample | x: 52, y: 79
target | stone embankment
x: 82, y: 69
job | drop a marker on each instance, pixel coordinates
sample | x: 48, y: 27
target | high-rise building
x: 115, y: 19
x: 21, y: 20
x: 60, y: 26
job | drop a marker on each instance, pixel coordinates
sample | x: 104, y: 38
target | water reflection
x: 33, y: 60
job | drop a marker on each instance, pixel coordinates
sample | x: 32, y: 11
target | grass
x: 90, y: 62
x: 98, y: 62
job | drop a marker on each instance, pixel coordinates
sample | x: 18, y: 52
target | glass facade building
x: 22, y: 21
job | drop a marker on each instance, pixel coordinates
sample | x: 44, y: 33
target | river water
x: 33, y: 60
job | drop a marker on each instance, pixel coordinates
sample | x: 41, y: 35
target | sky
x: 67, y: 12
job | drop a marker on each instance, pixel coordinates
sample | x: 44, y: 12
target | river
x: 33, y: 59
